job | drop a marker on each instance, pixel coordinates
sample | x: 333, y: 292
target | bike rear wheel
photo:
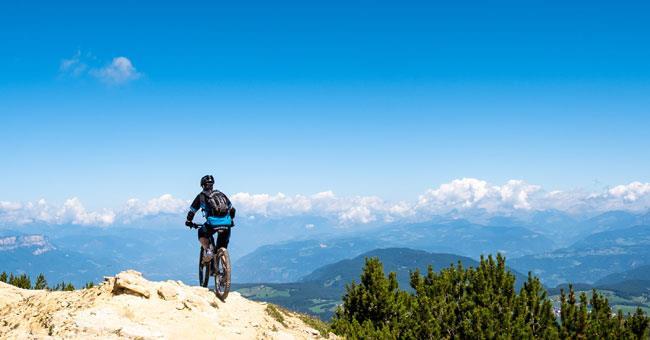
x: 221, y: 273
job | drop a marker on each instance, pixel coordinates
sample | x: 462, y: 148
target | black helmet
x: 207, y: 179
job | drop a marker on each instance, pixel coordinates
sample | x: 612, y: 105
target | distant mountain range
x: 641, y: 273
x: 592, y: 258
x: 565, y: 229
x: 267, y: 249
x: 82, y: 254
x: 633, y: 284
x: 36, y: 242
x: 161, y: 251
x: 289, y: 261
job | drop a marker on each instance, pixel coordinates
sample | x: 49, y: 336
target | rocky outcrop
x: 129, y: 306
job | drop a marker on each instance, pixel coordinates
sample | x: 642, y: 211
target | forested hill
x: 402, y: 261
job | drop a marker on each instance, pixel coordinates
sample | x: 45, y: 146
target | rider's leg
x: 223, y: 239
x: 204, y: 238
x: 204, y: 242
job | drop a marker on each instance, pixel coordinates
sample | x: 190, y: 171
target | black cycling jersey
x: 223, y: 237
x: 199, y: 203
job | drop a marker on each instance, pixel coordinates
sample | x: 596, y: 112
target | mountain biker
x: 219, y: 214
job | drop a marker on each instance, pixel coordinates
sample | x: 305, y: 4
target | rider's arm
x: 194, y: 207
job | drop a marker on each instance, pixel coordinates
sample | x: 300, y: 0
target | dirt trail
x: 129, y: 306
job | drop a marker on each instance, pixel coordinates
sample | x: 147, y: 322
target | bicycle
x: 218, y: 267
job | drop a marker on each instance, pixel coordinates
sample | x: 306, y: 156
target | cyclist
x: 219, y: 214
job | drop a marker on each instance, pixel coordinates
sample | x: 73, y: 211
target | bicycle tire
x: 222, y: 273
x: 204, y: 269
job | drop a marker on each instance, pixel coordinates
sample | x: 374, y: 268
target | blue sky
x: 362, y: 98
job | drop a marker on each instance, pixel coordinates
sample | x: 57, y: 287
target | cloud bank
x: 460, y: 196
x: 71, y: 211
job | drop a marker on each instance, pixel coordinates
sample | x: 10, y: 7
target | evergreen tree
x: 427, y: 308
x: 534, y: 312
x: 41, y: 282
x: 618, y: 330
x: 601, y: 323
x: 583, y: 317
x: 64, y: 286
x: 59, y: 286
x: 26, y: 282
x: 372, y: 307
x: 637, y: 325
x: 569, y: 315
x: 3, y: 277
x: 21, y: 281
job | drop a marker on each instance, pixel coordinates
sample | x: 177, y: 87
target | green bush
x: 63, y: 286
x: 21, y: 281
x: 473, y: 303
x: 41, y: 282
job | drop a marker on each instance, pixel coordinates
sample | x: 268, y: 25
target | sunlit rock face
x: 128, y: 306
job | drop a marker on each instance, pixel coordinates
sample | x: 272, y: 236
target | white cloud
x: 270, y: 205
x: 9, y: 206
x: 572, y: 201
x: 165, y: 204
x: 457, y: 197
x: 634, y: 196
x: 516, y: 193
x: 75, y: 212
x: 74, y: 66
x: 471, y: 193
x: 358, y: 214
x: 71, y: 211
x: 631, y: 192
x: 459, y: 193
x: 347, y: 210
x: 119, y: 71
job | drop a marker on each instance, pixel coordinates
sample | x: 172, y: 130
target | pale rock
x: 132, y: 282
x: 171, y: 310
x: 167, y: 292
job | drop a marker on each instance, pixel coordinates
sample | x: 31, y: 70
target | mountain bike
x: 218, y: 267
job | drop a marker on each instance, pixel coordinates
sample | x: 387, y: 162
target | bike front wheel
x: 221, y: 273
x: 204, y: 269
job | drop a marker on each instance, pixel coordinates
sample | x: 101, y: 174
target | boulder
x: 131, y: 282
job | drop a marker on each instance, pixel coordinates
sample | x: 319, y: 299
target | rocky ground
x: 129, y: 306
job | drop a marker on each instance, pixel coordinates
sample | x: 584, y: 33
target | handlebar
x: 195, y: 226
